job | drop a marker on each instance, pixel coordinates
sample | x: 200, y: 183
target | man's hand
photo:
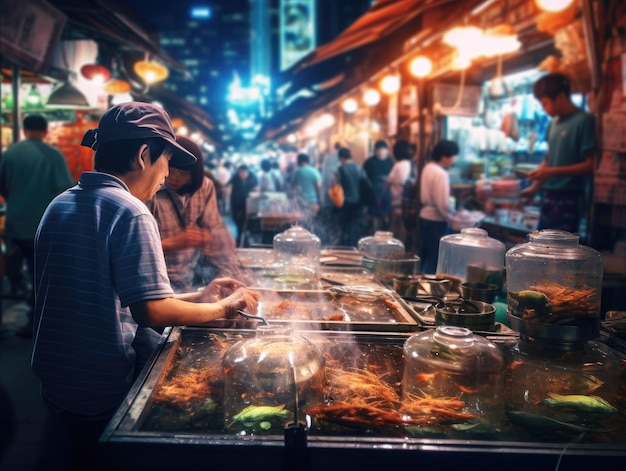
x: 219, y: 289
x: 241, y: 300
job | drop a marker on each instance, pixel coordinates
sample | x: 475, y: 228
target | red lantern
x: 96, y: 72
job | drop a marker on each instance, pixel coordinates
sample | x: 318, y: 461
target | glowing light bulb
x: 390, y: 84
x: 350, y: 105
x: 553, y: 6
x: 421, y: 66
x: 371, y: 97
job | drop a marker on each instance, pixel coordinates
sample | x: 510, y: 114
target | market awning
x: 381, y: 20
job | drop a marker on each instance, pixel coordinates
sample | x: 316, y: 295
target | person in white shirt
x: 400, y: 172
x: 436, y: 212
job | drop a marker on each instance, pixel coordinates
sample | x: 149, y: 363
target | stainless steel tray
x: 321, y: 310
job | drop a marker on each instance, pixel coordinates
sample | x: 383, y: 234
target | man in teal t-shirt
x: 32, y: 173
x: 307, y: 182
x: 572, y: 145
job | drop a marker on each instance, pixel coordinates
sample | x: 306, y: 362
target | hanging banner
x: 29, y: 32
x: 297, y: 30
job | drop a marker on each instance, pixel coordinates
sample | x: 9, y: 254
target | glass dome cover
x: 274, y: 369
x: 472, y: 256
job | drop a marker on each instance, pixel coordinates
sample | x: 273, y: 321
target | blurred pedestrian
x: 277, y: 175
x: 223, y: 174
x: 307, y: 185
x: 396, y: 180
x: 266, y: 179
x: 242, y: 183
x: 377, y: 168
x: 32, y: 173
x: 563, y: 176
x: 197, y: 244
x: 436, y: 212
x: 351, y: 214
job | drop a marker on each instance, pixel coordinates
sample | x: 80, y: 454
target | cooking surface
x: 362, y: 397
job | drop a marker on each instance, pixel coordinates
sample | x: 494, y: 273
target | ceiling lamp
x: 421, y: 66
x: 33, y: 99
x: 291, y: 138
x: 553, y: 6
x: 96, y: 73
x: 325, y: 121
x: 390, y: 84
x: 463, y: 36
x: 371, y: 97
x: 117, y: 86
x: 151, y: 72
x: 349, y: 105
x: 500, y: 39
x: 67, y: 96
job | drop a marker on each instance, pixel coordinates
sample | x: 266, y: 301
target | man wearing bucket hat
x: 101, y: 279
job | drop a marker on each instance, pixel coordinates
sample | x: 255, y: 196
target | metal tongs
x: 253, y: 316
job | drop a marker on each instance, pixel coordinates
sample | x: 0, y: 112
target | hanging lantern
x: 325, y: 121
x: 117, y: 86
x: 500, y: 39
x: 151, y: 72
x: 95, y: 72
x: 67, y: 96
x: 421, y: 66
x: 33, y: 99
x: 553, y: 6
x: 390, y: 84
x: 463, y: 36
x: 349, y: 105
x: 371, y: 97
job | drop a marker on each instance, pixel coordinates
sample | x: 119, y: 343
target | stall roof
x: 115, y: 23
x: 382, y: 19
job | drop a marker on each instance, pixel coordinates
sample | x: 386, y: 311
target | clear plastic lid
x: 274, y: 369
x: 297, y: 253
x: 381, y: 245
x: 472, y: 256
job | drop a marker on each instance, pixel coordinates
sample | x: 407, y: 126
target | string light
x: 390, y: 84
x: 371, y: 97
x: 421, y: 66
x: 349, y: 105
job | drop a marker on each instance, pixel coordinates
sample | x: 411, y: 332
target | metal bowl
x: 474, y: 315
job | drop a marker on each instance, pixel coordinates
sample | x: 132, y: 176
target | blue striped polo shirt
x: 97, y: 250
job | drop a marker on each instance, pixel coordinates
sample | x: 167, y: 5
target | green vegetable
x: 252, y: 414
x: 529, y: 300
x: 580, y: 402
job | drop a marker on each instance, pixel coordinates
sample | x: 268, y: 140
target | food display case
x: 174, y: 417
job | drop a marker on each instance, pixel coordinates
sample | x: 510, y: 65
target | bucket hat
x: 137, y: 120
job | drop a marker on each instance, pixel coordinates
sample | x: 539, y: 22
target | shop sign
x: 297, y: 31
x: 29, y: 32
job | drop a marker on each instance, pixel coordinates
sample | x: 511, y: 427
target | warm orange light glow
x: 553, y: 6
x: 151, y: 72
x: 349, y: 105
x: 463, y: 36
x: 500, y: 39
x: 325, y: 121
x: 95, y: 72
x: 421, y: 66
x: 390, y: 84
x: 371, y: 97
x: 117, y: 86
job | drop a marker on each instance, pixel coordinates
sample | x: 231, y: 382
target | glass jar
x: 266, y: 376
x: 297, y: 256
x: 451, y: 362
x: 548, y: 391
x: 554, y: 288
x: 472, y: 256
x: 381, y: 245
